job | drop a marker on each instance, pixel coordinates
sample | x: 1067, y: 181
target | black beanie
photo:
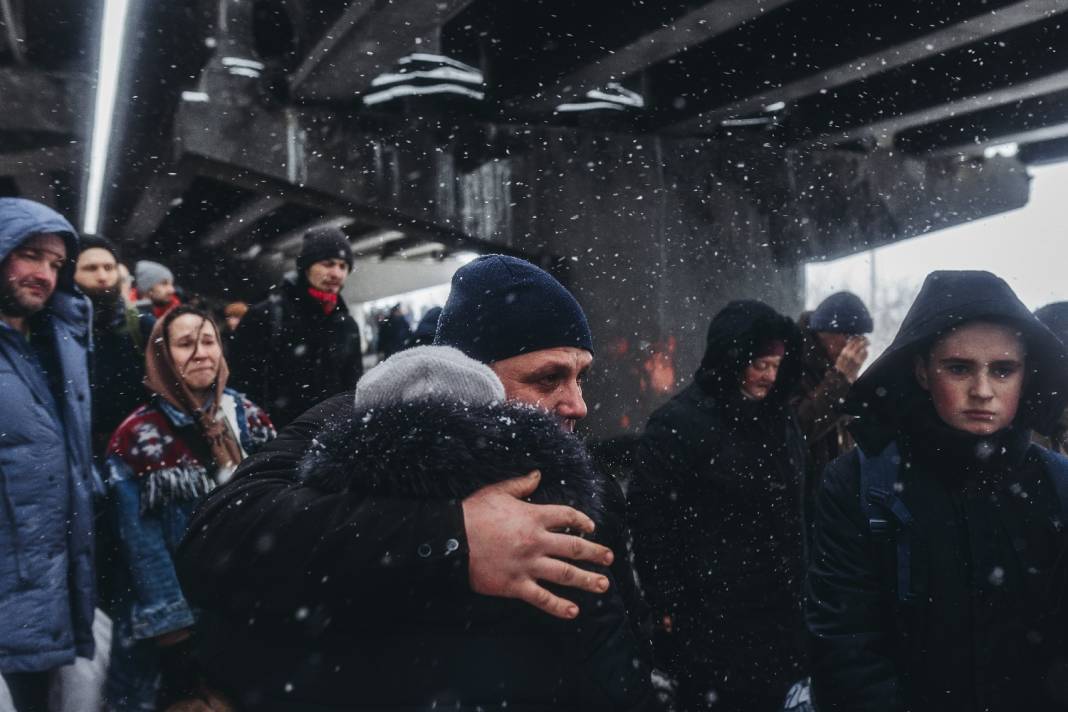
x: 1055, y: 317
x: 501, y: 307
x: 88, y: 242
x: 324, y: 243
x: 841, y: 313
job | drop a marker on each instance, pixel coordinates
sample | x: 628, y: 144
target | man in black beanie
x: 117, y: 361
x: 301, y: 345
x: 266, y: 546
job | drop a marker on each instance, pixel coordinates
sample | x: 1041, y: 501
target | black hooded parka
x: 982, y: 626
x: 714, y: 516
x: 450, y: 648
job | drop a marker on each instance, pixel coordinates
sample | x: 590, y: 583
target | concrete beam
x: 937, y: 41
x: 291, y: 241
x: 47, y: 159
x: 368, y: 39
x: 1019, y: 65
x: 698, y: 25
x: 37, y: 186
x: 1034, y: 120
x: 46, y: 102
x: 241, y: 221
x: 1038, y: 154
x: 14, y: 33
x: 155, y: 202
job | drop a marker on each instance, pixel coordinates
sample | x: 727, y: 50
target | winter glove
x: 179, y: 677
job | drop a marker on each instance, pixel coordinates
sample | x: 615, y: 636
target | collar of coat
x: 447, y: 450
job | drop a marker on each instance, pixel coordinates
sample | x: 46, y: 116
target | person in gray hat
x: 155, y: 287
x: 267, y: 544
x: 301, y: 345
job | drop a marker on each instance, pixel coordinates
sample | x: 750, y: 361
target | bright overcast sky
x: 1027, y: 247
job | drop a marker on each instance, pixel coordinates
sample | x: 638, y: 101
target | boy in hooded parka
x: 943, y: 591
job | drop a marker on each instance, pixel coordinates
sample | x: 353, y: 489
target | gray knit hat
x: 148, y: 274
x: 428, y: 372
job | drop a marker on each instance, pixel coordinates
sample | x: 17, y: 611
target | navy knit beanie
x: 501, y: 307
x: 324, y: 243
x: 842, y: 313
x: 89, y: 242
x: 1055, y: 317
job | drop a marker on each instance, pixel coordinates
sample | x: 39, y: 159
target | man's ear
x: 920, y: 369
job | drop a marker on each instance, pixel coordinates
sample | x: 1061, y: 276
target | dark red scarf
x: 327, y: 300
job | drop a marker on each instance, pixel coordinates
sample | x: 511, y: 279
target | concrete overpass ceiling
x: 226, y: 163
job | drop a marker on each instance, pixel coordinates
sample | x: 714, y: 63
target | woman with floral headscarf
x: 164, y: 457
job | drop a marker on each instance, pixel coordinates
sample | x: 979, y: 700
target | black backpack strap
x: 274, y: 340
x: 889, y: 520
x: 1056, y: 466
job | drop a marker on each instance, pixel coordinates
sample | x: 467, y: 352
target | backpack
x: 890, y: 522
x: 135, y: 329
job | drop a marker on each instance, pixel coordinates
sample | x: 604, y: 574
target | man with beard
x: 267, y: 546
x: 301, y: 345
x: 117, y: 363
x: 46, y: 525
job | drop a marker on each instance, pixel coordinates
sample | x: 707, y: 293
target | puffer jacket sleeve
x: 267, y: 541
x: 159, y: 606
x: 848, y: 614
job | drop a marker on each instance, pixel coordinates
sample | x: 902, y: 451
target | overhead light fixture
x: 1001, y: 150
x: 112, y: 39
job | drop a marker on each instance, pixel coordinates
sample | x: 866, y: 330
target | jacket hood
x: 21, y: 219
x: 887, y: 393
x: 734, y: 336
x: 446, y: 450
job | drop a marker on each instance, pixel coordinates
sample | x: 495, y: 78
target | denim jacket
x: 149, y: 539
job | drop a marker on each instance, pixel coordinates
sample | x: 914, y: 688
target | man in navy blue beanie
x: 266, y: 541
x: 835, y: 349
x: 515, y: 317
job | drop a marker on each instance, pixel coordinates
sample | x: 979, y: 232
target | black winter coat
x: 294, y: 573
x: 985, y: 626
x: 287, y: 354
x: 116, y: 367
x: 714, y: 516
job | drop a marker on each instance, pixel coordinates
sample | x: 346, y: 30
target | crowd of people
x: 268, y: 528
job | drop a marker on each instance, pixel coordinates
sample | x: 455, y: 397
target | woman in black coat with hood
x: 714, y: 515
x: 431, y: 423
x: 936, y: 579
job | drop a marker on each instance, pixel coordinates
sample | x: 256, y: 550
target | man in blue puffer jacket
x: 46, y: 529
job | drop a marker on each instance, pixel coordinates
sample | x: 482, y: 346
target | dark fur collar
x: 449, y: 450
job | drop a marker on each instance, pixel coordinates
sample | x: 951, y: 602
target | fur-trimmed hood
x: 447, y: 450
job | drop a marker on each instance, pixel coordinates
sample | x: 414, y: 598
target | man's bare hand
x: 852, y: 358
x: 514, y: 545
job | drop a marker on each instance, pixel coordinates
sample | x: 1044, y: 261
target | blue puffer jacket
x: 46, y: 511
